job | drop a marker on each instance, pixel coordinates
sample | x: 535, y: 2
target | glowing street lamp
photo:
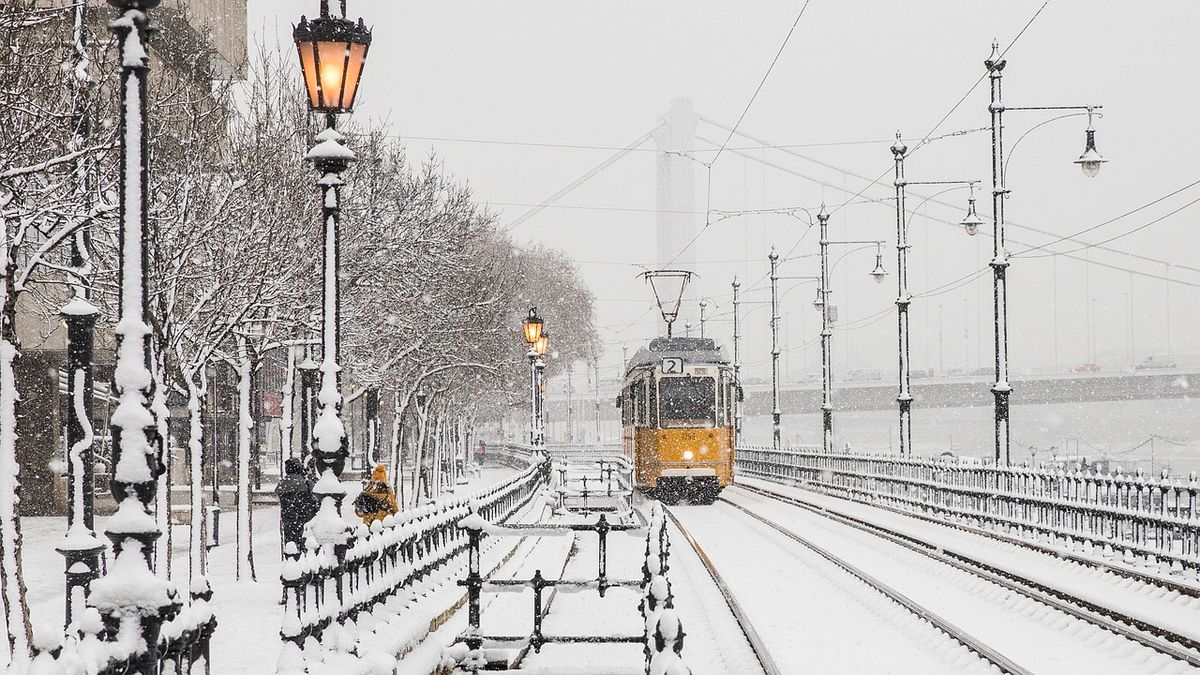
x: 539, y: 341
x: 333, y: 51
x: 532, y: 327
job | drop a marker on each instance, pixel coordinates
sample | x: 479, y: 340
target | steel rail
x: 1154, y: 637
x: 945, y: 625
x: 756, y: 643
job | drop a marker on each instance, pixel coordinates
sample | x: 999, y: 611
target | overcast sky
x: 601, y: 74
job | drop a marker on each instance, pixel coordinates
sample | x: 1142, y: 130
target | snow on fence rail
x: 105, y: 646
x: 332, y: 608
x: 1138, y: 516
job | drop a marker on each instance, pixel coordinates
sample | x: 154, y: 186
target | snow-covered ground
x: 248, y: 612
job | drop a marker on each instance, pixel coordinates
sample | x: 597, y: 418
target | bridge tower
x: 676, y: 203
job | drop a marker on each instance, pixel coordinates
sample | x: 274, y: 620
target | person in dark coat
x: 297, y: 504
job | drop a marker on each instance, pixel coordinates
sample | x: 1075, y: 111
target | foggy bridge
x: 955, y: 392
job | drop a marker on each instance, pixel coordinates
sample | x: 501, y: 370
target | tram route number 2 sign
x: 672, y: 365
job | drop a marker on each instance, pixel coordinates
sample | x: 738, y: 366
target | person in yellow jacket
x: 377, y: 500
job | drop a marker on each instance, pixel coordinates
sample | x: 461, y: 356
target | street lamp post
x: 539, y: 367
x: 776, y: 414
x: 136, y: 445
x: 737, y: 359
x: 333, y: 52
x: 970, y: 224
x: 1090, y: 162
x: 822, y: 303
x: 532, y: 330
x: 703, y: 318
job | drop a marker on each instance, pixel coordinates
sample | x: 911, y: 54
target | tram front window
x: 687, y: 401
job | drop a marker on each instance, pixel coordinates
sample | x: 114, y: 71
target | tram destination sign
x: 672, y: 365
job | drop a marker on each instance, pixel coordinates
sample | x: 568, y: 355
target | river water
x: 1151, y: 434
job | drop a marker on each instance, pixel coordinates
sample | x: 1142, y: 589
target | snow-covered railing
x: 103, y: 646
x: 664, y: 633
x: 584, y: 453
x: 601, y: 485
x: 1134, y: 515
x: 661, y: 639
x: 380, y: 563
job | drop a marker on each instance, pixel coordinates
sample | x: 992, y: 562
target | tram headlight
x: 688, y: 455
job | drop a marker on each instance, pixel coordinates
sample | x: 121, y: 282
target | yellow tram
x: 677, y: 416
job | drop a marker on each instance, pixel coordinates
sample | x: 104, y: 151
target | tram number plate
x: 672, y: 366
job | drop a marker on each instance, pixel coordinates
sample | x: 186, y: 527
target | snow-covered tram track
x: 946, y: 626
x: 1180, y: 650
x: 809, y: 613
x: 757, y: 645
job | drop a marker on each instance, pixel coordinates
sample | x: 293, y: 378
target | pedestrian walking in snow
x: 297, y: 505
x: 377, y: 500
x: 480, y: 453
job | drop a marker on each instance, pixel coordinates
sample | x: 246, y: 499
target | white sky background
x: 602, y: 73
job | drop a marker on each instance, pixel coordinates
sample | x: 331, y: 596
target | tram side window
x: 720, y: 403
x: 635, y: 392
x: 730, y: 403
x: 653, y: 402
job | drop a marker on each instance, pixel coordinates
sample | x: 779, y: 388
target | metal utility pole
x: 826, y: 338
x: 737, y: 360
x: 775, y: 411
x: 1001, y: 389
x: 903, y: 299
x: 1090, y: 162
x: 970, y: 223
x: 703, y: 318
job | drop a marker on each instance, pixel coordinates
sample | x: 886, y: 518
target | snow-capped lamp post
x: 532, y: 329
x: 131, y: 599
x: 333, y: 51
x: 539, y: 365
x: 1090, y: 162
x: 970, y: 225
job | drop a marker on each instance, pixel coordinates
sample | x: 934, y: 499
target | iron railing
x: 662, y: 638
x: 1141, y: 518
x: 101, y: 646
x: 392, y: 555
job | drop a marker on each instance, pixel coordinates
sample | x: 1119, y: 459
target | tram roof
x: 690, y: 349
